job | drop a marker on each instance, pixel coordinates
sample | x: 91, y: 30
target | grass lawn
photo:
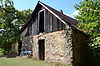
x: 19, y: 61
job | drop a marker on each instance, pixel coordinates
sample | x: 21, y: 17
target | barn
x: 52, y: 36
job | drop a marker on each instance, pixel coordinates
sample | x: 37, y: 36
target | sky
x: 65, y: 5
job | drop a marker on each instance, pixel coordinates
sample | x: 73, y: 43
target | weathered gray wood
x: 54, y: 23
x: 51, y: 23
x: 35, y: 26
x: 30, y: 29
x: 46, y: 21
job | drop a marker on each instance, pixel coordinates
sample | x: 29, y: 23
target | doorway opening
x: 19, y: 47
x: 41, y: 49
x: 41, y: 22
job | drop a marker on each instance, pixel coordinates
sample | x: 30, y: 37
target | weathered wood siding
x: 35, y: 28
x: 51, y: 23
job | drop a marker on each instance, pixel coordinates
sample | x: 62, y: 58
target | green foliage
x: 1, y: 51
x: 89, y: 17
x: 11, y: 21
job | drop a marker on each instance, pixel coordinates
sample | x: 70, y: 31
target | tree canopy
x: 89, y: 17
x: 11, y: 21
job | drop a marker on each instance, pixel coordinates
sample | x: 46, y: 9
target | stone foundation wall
x: 57, y: 46
x: 26, y: 43
x: 65, y: 46
x: 68, y: 48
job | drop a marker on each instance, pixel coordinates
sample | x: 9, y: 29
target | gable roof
x: 64, y: 18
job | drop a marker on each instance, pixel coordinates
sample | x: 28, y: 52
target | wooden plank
x: 36, y: 26
x: 54, y: 23
x: 33, y: 29
x: 62, y: 26
x: 30, y: 29
x: 37, y: 20
x: 51, y: 22
x: 58, y: 24
x: 46, y: 21
x: 53, y: 13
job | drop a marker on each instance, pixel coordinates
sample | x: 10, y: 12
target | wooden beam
x: 54, y: 14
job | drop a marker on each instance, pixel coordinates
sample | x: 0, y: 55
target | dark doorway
x: 19, y: 47
x: 41, y: 22
x: 42, y: 49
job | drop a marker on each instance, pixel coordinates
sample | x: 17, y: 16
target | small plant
x: 1, y: 52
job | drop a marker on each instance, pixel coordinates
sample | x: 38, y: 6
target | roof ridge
x: 64, y: 17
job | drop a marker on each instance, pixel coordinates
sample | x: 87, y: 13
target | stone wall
x: 26, y: 43
x: 68, y: 52
x: 57, y: 46
x: 65, y: 46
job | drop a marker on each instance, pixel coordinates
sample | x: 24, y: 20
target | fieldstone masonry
x: 58, y: 46
x: 26, y: 43
x: 65, y: 46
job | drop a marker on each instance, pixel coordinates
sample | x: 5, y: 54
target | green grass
x: 19, y: 61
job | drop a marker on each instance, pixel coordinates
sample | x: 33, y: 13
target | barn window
x: 41, y: 21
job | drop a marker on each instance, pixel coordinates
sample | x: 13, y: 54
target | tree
x: 11, y: 21
x: 89, y: 17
